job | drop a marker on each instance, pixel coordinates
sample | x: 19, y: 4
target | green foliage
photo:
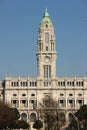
x: 21, y: 124
x: 15, y: 110
x: 7, y: 116
x: 73, y: 124
x: 82, y: 113
x: 85, y: 124
x: 50, y: 114
x: 82, y: 116
x: 37, y: 124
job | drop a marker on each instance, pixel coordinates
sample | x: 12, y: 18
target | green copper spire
x: 46, y: 18
x: 46, y: 13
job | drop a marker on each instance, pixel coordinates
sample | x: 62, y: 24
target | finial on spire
x: 46, y: 13
x: 46, y: 10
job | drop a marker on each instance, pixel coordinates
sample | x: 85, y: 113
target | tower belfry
x: 46, y: 54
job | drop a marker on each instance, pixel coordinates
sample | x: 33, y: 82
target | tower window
x: 47, y: 71
x: 47, y: 83
x: 52, y: 46
x: 46, y: 48
x: 46, y: 38
x: 46, y: 25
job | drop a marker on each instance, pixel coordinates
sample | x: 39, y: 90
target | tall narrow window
x: 52, y: 46
x: 46, y: 38
x: 40, y: 46
x: 47, y: 71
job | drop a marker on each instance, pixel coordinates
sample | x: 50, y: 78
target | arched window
x: 24, y: 116
x: 33, y: 117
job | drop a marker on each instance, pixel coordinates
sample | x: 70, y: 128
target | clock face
x: 47, y: 59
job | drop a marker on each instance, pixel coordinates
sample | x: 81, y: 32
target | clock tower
x: 46, y: 54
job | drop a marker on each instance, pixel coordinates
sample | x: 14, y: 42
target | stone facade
x: 27, y: 93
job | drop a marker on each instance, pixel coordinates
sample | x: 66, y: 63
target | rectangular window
x: 80, y: 102
x: 47, y: 71
x: 61, y: 103
x: 14, y: 103
x: 46, y: 38
x: 47, y: 83
x: 23, y: 103
x: 71, y: 103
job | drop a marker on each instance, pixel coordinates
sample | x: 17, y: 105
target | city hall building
x: 25, y: 93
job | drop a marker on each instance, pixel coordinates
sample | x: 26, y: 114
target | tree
x: 73, y: 122
x: 79, y: 119
x: 7, y: 116
x: 15, y: 110
x: 38, y: 124
x: 21, y: 124
x: 49, y: 113
x: 81, y: 114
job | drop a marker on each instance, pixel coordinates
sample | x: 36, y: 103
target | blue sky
x: 19, y: 23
